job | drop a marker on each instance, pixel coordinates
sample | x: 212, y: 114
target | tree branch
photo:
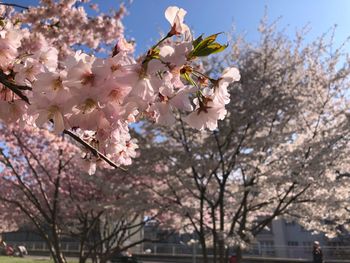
x: 18, y: 91
x: 15, y: 5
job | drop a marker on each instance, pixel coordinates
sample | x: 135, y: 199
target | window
x: 267, y: 248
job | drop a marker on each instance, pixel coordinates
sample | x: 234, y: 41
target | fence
x: 303, y: 252
x: 256, y: 250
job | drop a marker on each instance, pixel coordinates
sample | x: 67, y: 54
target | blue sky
x: 146, y: 17
x: 206, y: 16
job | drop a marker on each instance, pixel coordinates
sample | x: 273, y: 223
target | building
x: 290, y: 240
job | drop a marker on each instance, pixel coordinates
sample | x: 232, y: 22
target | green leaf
x: 205, y: 42
x: 197, y: 41
x: 210, y: 49
x: 205, y: 47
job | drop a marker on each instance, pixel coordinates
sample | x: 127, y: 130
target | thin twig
x: 15, y: 5
x: 92, y: 149
x: 13, y: 87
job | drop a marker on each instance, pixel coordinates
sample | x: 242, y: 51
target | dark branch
x: 341, y: 175
x: 13, y: 87
x: 93, y: 150
x: 15, y: 5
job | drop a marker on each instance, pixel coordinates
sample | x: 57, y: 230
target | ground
x: 27, y: 260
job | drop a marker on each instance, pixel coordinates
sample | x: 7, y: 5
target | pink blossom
x: 176, y: 53
x: 228, y: 76
x: 206, y: 117
x: 47, y: 57
x: 175, y: 16
x: 100, y: 97
x: 169, y: 100
x: 44, y: 109
x: 163, y: 113
x: 127, y: 152
x: 12, y: 111
x: 27, y: 72
x: 51, y: 85
x: 52, y: 113
x: 123, y: 46
x: 144, y: 89
x: 10, y: 40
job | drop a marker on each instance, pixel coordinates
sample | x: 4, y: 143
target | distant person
x: 317, y: 253
x: 22, y: 251
x: 2, y: 246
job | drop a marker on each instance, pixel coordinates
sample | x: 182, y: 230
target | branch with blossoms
x: 94, y: 100
x: 14, y: 5
x: 65, y: 25
x: 18, y: 91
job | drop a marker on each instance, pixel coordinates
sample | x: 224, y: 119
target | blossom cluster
x: 100, y: 97
x: 66, y: 23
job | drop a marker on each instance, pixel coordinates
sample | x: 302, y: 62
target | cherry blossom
x: 210, y: 107
x: 10, y: 41
x: 175, y: 16
x: 99, y: 98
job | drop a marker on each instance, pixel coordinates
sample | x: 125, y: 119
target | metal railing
x: 296, y: 252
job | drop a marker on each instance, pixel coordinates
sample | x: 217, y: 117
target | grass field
x: 27, y: 260
x: 22, y: 260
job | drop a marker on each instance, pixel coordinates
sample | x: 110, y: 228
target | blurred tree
x: 43, y: 183
x: 278, y: 151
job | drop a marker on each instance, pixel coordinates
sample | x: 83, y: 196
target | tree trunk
x: 221, y: 250
x: 82, y: 257
x: 57, y: 245
x: 57, y: 256
x: 204, y: 250
x: 214, y: 248
x: 226, y: 254
x: 81, y: 252
x: 61, y: 258
x: 239, y: 254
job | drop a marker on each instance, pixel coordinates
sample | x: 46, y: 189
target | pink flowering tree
x: 65, y: 25
x: 39, y: 86
x: 31, y: 178
x: 46, y: 83
x: 48, y: 189
x: 107, y: 218
x: 278, y: 152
